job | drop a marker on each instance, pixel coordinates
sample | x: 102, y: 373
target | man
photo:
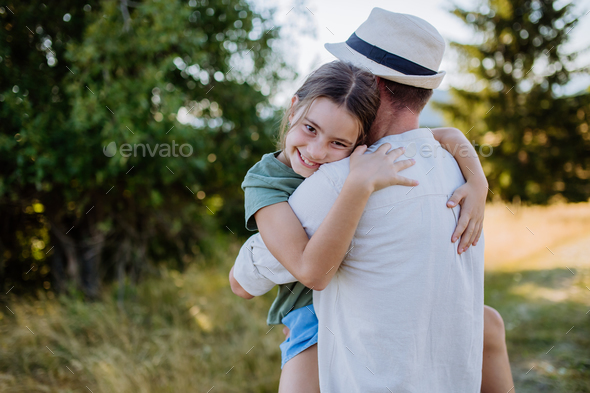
x: 404, y: 312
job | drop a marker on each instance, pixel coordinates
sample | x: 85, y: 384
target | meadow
x: 538, y: 277
x: 188, y: 332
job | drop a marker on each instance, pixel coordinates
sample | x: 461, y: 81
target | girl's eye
x: 340, y: 144
x: 310, y: 128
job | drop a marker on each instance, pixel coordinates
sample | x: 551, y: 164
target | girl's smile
x: 307, y: 162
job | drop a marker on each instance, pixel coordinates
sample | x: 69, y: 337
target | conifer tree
x: 512, y: 99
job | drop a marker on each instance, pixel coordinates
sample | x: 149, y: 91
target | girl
x: 329, y: 119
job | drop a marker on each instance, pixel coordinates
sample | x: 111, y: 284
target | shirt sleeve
x: 257, y: 195
x: 257, y: 270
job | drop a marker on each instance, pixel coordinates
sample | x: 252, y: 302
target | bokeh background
x: 113, y: 269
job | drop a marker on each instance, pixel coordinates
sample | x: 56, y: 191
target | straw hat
x: 399, y: 47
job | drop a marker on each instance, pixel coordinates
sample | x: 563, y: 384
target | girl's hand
x: 472, y: 198
x: 378, y: 170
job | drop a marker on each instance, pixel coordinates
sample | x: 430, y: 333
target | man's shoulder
x: 337, y: 167
x: 314, y: 198
x: 325, y: 183
x: 336, y: 172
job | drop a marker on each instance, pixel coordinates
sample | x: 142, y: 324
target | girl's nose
x: 316, y: 151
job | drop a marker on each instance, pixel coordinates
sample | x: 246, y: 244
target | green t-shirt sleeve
x: 268, y: 182
x: 258, y: 196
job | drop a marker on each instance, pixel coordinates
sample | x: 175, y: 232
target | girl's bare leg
x: 496, y: 373
x: 300, y: 374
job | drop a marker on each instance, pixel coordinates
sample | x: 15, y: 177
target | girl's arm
x: 314, y: 261
x: 472, y: 195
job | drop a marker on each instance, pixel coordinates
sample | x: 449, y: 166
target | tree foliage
x: 512, y: 99
x: 73, y: 79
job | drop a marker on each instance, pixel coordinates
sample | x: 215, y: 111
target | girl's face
x: 327, y: 133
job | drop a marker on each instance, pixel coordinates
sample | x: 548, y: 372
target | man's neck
x: 392, y: 123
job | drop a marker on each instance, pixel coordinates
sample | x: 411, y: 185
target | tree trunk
x: 139, y: 261
x: 57, y: 268
x: 91, y: 258
x: 122, y: 257
x: 68, y: 246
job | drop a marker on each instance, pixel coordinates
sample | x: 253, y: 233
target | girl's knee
x: 493, y: 331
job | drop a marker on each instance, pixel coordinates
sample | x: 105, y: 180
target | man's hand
x: 472, y: 198
x: 236, y: 287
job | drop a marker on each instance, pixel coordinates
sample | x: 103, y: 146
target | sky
x: 336, y: 20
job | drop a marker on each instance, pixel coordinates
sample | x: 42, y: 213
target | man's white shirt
x: 404, y: 312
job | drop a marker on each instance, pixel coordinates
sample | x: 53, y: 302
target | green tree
x: 73, y: 79
x: 512, y: 100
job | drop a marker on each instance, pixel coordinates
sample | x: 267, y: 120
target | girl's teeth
x: 307, y: 162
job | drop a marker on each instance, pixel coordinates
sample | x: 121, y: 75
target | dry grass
x: 536, y: 237
x: 184, y: 332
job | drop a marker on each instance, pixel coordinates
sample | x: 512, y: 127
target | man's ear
x: 294, y: 102
x: 385, y: 93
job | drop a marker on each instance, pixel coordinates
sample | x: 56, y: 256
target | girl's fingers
x: 465, y: 239
x: 404, y: 181
x: 401, y: 165
x: 461, y: 225
x: 473, y: 235
x: 479, y: 229
x: 478, y: 234
x: 360, y: 149
x: 383, y: 148
x: 386, y: 148
x: 456, y: 198
x: 396, y: 153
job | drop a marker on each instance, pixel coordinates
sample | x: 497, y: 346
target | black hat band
x: 395, y: 62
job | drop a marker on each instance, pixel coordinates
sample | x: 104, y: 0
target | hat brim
x: 345, y: 53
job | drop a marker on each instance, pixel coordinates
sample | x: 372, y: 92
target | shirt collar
x: 418, y: 133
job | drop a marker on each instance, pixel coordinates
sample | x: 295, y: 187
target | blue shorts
x: 303, y: 325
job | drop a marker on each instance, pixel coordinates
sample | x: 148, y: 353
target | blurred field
x: 528, y: 237
x: 187, y: 332
x: 539, y: 279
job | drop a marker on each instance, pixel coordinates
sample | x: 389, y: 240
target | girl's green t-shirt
x: 266, y: 183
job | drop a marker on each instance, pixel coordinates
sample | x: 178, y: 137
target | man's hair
x: 402, y: 96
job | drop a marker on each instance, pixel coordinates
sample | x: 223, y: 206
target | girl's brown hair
x: 343, y: 84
